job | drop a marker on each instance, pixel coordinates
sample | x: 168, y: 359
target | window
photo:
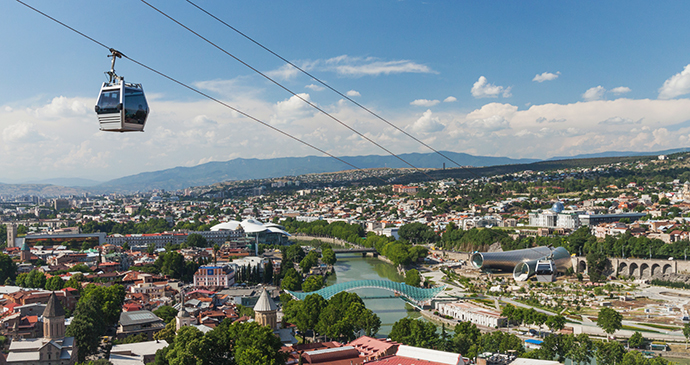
x: 136, y: 108
x: 108, y: 102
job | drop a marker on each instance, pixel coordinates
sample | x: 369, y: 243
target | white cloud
x: 351, y: 67
x: 492, y: 123
x: 353, y: 93
x: 546, y: 76
x: 676, y: 85
x: 61, y: 106
x: 285, y: 72
x: 594, y: 93
x: 314, y: 87
x: 542, y: 120
x: 619, y: 121
x: 370, y: 66
x: 491, y: 109
x: 620, y: 90
x: 292, y: 108
x: 483, y: 89
x: 424, y: 102
x: 427, y: 123
x: 450, y: 99
x: 203, y: 121
x: 186, y: 132
x: 22, y: 132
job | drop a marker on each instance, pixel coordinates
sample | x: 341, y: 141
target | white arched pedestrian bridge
x: 419, y: 296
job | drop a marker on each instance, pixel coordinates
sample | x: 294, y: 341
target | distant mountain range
x: 621, y: 154
x: 248, y: 169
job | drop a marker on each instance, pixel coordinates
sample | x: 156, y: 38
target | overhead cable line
x: 285, y: 88
x: 328, y: 86
x: 196, y: 90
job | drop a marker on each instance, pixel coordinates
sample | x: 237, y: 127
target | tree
x: 581, y: 351
x: 413, y: 332
x: 686, y: 333
x: 293, y: 253
x: 417, y: 233
x: 305, y: 313
x: 609, y: 320
x: 188, y: 347
x: 466, y: 336
x: 125, y: 246
x: 556, y: 347
x: 75, y: 281
x: 328, y: 256
x: 636, y: 340
x: 345, y: 315
x: 413, y: 278
x: 166, y: 313
x: 86, y: 327
x: 196, y: 240
x: 397, y: 252
x: 55, y: 283
x: 268, y: 272
x: 8, y: 269
x: 253, y: 344
x: 597, y: 263
x: 34, y: 279
x: 309, y: 261
x: 216, y: 248
x: 555, y: 323
x: 167, y: 334
x: 151, y: 248
x: 292, y: 280
x: 313, y: 283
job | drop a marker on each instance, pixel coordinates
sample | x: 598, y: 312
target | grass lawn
x: 679, y: 361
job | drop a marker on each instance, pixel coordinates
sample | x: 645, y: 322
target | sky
x: 527, y: 79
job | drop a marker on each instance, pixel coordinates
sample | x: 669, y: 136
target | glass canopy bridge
x: 419, y: 296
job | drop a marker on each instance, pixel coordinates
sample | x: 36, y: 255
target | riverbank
x: 337, y: 242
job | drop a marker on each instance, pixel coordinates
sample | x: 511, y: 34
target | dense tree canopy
x: 33, y: 279
x: 292, y: 280
x: 413, y: 278
x: 417, y: 233
x: 309, y: 261
x: 174, y: 265
x: 340, y: 317
x: 245, y: 343
x: 98, y: 308
x: 166, y: 313
x: 313, y: 283
x: 328, y: 256
x: 196, y: 240
x: 8, y: 269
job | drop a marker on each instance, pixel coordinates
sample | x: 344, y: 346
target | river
x: 355, y: 267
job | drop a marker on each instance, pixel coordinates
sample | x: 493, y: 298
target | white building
x: 546, y: 218
x: 568, y: 220
x: 467, y: 312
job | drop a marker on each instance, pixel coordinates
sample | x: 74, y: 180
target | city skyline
x: 529, y: 80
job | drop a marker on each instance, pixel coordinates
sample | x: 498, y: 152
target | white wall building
x: 467, y: 312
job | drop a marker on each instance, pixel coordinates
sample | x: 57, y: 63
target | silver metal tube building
x: 506, y: 261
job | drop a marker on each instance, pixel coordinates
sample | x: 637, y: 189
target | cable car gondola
x: 121, y: 106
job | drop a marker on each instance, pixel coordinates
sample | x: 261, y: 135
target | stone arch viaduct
x: 637, y: 268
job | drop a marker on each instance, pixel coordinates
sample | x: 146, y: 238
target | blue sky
x: 518, y: 79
